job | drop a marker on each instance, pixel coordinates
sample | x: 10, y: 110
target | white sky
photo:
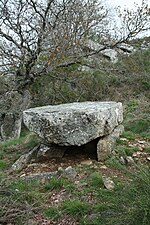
x: 130, y: 4
x: 126, y: 3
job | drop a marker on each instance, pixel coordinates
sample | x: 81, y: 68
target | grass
x: 96, y: 180
x: 52, y: 213
x: 3, y: 165
x: 59, y: 183
x: 76, y: 208
x: 113, y: 162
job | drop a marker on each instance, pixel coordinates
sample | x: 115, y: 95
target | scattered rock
x: 148, y: 158
x: 24, y: 159
x: 122, y: 160
x: 126, y: 47
x: 104, y: 167
x: 124, y: 139
x: 87, y: 162
x: 129, y: 160
x: 110, y: 54
x: 69, y: 172
x: 108, y: 183
x: 60, y: 169
x: 93, y: 216
x: 50, y: 151
x: 41, y: 177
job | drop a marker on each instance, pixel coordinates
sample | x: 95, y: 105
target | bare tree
x: 56, y: 29
x: 30, y: 30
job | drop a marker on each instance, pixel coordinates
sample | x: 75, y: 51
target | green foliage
x: 12, y: 149
x: 132, y: 105
x: 3, y: 165
x: 139, y: 192
x: 96, y: 180
x: 139, y: 126
x: 76, y: 208
x: 54, y: 184
x: 129, y: 135
x: 52, y: 213
x: 147, y: 150
x: 58, y: 184
x: 113, y: 162
x: 16, y: 198
x: 126, y: 151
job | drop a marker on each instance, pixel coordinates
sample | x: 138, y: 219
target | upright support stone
x: 106, y: 144
x: 12, y: 104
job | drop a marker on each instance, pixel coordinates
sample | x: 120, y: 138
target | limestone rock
x: 122, y: 160
x: 87, y: 162
x: 111, y: 54
x: 10, y: 124
x: 129, y: 160
x: 41, y: 177
x: 126, y: 48
x: 92, y: 45
x: 105, y: 145
x: 74, y: 124
x: 50, y: 151
x: 108, y: 183
x: 12, y: 104
x: 24, y: 159
x: 69, y: 172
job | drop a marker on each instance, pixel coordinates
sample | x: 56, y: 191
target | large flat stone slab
x: 74, y: 123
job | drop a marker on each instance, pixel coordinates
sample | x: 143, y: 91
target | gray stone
x: 108, y: 183
x: 92, y: 46
x: 12, y: 104
x: 69, y: 172
x: 41, y: 177
x: 129, y: 160
x: 74, y: 124
x: 7, y: 83
x: 148, y: 158
x: 111, y: 54
x: 24, y: 159
x: 50, y: 151
x: 10, y: 126
x: 122, y: 160
x: 126, y: 48
x: 106, y: 144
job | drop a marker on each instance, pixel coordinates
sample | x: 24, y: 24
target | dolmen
x: 76, y: 124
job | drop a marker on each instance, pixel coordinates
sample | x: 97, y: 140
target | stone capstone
x: 74, y: 124
x: 88, y: 125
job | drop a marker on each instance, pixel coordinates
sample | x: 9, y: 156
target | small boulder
x: 108, y: 183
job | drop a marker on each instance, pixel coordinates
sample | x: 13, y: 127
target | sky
x: 126, y: 3
x: 130, y: 4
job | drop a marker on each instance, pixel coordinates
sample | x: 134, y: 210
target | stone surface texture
x: 50, y: 151
x: 74, y: 124
x: 12, y: 104
x: 106, y: 144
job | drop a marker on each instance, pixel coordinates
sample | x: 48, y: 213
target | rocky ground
x: 78, y: 179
